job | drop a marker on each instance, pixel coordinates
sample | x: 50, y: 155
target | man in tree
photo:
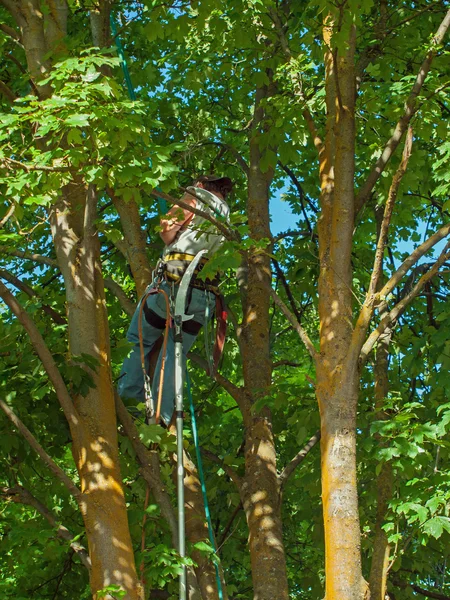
x: 185, y: 234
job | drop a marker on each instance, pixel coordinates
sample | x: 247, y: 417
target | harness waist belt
x: 176, y: 263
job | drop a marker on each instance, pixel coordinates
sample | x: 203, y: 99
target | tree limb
x: 366, y: 313
x: 399, y: 308
x: 403, y: 122
x: 7, y: 92
x: 20, y: 285
x: 412, y: 259
x: 149, y: 461
x: 228, y: 470
x: 293, y: 321
x: 54, y: 468
x: 21, y: 495
x: 299, y: 458
x: 45, y: 356
x: 420, y: 590
x: 10, y: 32
x: 237, y: 393
x: 29, y: 256
x: 127, y: 305
x: 8, y: 215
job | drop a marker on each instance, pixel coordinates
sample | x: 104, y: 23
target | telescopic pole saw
x: 180, y: 316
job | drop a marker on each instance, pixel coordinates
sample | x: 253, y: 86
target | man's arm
x: 176, y: 219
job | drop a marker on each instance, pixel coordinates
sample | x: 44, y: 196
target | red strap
x: 221, y: 331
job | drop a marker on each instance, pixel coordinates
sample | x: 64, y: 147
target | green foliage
x: 196, y: 69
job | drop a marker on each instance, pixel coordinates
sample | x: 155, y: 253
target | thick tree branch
x: 11, y: 162
x: 149, y: 461
x: 403, y: 122
x: 10, y: 32
x: 127, y: 305
x: 21, y: 495
x: 399, y: 308
x: 20, y: 285
x: 228, y: 470
x: 299, y: 458
x: 45, y: 356
x: 57, y: 471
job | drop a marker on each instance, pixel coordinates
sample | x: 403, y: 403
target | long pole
x: 178, y: 322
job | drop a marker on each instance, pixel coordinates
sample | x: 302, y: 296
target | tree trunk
x: 96, y: 449
x: 197, y: 531
x: 260, y: 487
x: 337, y: 365
x: 77, y: 247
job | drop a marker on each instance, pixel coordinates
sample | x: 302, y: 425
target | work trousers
x: 131, y: 382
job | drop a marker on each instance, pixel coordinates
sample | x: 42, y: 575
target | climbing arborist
x: 184, y: 235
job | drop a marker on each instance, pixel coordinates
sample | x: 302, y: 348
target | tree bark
x: 337, y: 366
x: 260, y: 490
x: 96, y: 452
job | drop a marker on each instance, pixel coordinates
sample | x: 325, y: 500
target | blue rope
x: 162, y: 204
x: 202, y: 482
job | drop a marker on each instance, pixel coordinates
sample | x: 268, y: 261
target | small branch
x: 367, y: 310
x: 287, y: 289
x: 403, y: 122
x: 291, y: 233
x: 21, y: 495
x: 419, y: 590
x: 20, y: 285
x: 412, y: 259
x: 228, y: 470
x: 8, y: 215
x: 293, y: 321
x: 45, y: 356
x: 235, y: 392
x: 10, y: 32
x: 7, y: 92
x: 57, y: 471
x: 228, y: 526
x: 28, y: 256
x: 285, y: 363
x: 239, y: 158
x: 228, y: 233
x: 127, y: 305
x: 382, y: 238
x: 401, y: 306
x: 10, y: 162
x: 299, y: 458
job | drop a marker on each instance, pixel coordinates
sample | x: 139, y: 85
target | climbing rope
x: 162, y: 204
x: 202, y: 482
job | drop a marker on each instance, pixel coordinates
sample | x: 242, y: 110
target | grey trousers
x: 131, y: 382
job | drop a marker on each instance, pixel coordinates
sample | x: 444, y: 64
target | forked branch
x: 400, y: 307
x: 298, y: 458
x: 54, y: 468
x: 403, y: 122
x: 45, y: 356
x: 21, y: 495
